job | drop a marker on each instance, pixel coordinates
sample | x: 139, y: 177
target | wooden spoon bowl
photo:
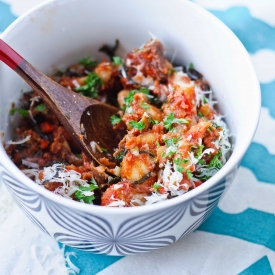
x: 86, y: 119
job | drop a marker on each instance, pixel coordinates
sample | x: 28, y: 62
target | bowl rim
x: 232, y: 163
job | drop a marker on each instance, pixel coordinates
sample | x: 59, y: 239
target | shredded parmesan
x: 19, y: 141
x: 171, y: 179
x: 116, y: 202
x: 30, y: 164
x: 76, y: 84
x: 156, y: 197
x: 95, y: 147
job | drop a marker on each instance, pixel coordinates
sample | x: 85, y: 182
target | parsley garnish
x: 144, y: 91
x: 117, y: 60
x: 171, y: 142
x: 120, y: 156
x: 189, y: 174
x: 171, y: 71
x: 215, y: 162
x: 171, y: 145
x: 80, y: 195
x: 201, y: 162
x: 199, y: 152
x: 145, y: 105
x: 40, y: 107
x: 170, y: 119
x: 204, y: 100
x: 115, y: 119
x: 93, y: 83
x: 22, y: 112
x: 103, y: 149
x: 86, y: 61
x: 216, y: 125
x: 137, y: 125
x: 153, y: 121
x: 178, y: 163
x: 130, y: 97
x: 156, y: 187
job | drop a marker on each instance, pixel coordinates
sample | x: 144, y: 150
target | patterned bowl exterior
x: 106, y: 235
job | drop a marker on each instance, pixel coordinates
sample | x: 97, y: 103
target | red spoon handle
x: 9, y: 56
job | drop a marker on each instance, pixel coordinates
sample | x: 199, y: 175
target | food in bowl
x: 176, y: 138
x: 198, y: 37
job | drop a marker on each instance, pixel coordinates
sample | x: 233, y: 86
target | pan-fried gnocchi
x: 176, y: 139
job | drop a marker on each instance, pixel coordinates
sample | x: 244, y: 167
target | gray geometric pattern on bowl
x: 96, y: 234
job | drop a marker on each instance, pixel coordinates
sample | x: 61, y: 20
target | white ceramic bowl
x: 59, y: 33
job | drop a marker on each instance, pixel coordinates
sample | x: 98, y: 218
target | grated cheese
x: 171, y: 179
x: 155, y: 197
x: 136, y: 202
x: 222, y: 142
x: 30, y: 164
x: 116, y: 202
x: 117, y: 186
x: 76, y: 84
x: 19, y: 141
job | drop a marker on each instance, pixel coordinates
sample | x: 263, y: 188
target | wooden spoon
x: 86, y: 119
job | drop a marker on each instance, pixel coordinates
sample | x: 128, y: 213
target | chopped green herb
x: 144, y: 91
x: 189, y: 174
x: 204, y: 100
x: 40, y: 107
x: 201, y: 162
x: 200, y: 114
x: 22, y: 112
x: 120, y: 156
x: 115, y: 119
x: 93, y: 83
x: 209, y: 129
x: 130, y: 97
x: 104, y: 150
x: 157, y: 143
x: 172, y: 141
x: 178, y: 163
x: 199, y: 152
x: 81, y: 193
x: 145, y: 106
x: 215, y: 162
x: 216, y: 125
x: 117, y: 60
x: 154, y: 100
x: 171, y: 145
x: 156, y: 187
x: 171, y: 71
x: 94, y: 183
x: 86, y: 61
x: 78, y: 156
x: 153, y: 121
x: 137, y: 125
x: 171, y: 119
x: 60, y: 73
x: 191, y: 66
